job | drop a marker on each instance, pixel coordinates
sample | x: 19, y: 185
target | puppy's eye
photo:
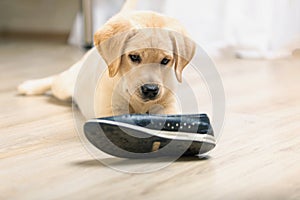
x: 165, y: 61
x: 135, y: 58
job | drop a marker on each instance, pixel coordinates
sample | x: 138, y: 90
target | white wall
x: 266, y: 28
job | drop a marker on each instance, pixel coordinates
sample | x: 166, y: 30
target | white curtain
x: 246, y: 28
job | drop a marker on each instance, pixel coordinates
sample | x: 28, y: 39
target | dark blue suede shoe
x: 147, y: 136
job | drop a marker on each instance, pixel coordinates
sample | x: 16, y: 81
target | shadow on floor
x: 51, y: 99
x: 114, y: 161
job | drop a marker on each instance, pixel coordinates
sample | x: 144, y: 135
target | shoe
x: 148, y: 136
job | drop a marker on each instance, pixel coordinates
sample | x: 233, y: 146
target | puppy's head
x: 147, y: 73
x: 145, y: 49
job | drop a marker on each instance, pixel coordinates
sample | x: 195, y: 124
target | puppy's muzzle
x: 150, y: 91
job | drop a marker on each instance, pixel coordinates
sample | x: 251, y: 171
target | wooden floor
x: 257, y: 157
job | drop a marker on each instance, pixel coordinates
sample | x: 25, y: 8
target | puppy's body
x: 141, y: 51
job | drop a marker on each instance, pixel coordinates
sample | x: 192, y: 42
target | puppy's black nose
x: 150, y: 91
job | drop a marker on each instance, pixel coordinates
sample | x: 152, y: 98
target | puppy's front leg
x: 167, y: 109
x: 171, y: 109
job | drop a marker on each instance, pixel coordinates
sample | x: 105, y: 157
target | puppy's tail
x: 128, y: 6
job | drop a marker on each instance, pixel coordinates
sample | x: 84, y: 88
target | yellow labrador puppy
x: 134, y: 67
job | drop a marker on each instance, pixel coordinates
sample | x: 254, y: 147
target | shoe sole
x: 130, y: 141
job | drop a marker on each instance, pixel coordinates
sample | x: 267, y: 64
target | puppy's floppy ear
x: 184, y: 50
x: 110, y: 41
